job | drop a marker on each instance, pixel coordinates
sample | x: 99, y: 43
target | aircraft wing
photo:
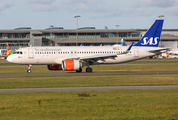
x: 95, y: 58
x: 102, y: 57
x: 158, y: 50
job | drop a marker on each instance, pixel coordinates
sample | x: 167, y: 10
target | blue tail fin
x: 152, y: 36
x: 122, y: 42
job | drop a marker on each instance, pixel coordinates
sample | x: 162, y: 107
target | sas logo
x: 150, y: 41
x: 117, y: 48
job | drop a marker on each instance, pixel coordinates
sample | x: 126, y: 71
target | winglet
x: 128, y: 50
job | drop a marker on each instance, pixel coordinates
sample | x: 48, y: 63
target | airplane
x: 74, y: 58
x: 9, y: 52
x: 173, y: 51
x: 121, y: 43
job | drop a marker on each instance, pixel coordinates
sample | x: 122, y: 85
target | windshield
x: 18, y: 52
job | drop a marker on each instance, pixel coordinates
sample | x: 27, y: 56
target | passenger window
x: 20, y: 52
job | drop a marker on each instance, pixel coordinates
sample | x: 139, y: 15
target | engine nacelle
x: 54, y: 67
x: 71, y: 65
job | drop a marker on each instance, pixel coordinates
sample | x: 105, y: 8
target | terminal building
x: 89, y: 36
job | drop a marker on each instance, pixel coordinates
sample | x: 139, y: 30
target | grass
x: 88, y: 80
x: 109, y: 105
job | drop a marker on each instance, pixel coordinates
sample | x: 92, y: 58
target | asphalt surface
x: 89, y: 88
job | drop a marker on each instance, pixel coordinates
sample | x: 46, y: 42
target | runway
x: 89, y: 88
x: 84, y: 73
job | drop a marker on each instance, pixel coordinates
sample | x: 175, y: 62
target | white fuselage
x: 55, y: 55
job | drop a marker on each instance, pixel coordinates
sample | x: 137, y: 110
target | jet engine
x: 54, y: 67
x: 71, y: 65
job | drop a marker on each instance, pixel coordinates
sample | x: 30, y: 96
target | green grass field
x: 109, y: 105
x: 88, y: 80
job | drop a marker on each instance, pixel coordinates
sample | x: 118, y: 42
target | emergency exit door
x: 30, y: 53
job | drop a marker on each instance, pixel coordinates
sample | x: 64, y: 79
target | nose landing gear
x: 29, y: 69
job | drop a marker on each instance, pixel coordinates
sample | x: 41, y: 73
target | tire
x: 89, y: 70
x: 28, y: 71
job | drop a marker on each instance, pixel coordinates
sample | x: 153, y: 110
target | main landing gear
x: 29, y: 69
x: 89, y: 69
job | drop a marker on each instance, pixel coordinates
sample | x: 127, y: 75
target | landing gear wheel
x: 88, y: 69
x: 79, y: 71
x: 28, y: 71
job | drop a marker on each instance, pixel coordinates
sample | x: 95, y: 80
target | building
x: 58, y: 36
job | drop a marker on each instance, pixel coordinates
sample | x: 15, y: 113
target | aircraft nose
x: 9, y: 58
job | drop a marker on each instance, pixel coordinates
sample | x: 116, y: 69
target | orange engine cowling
x: 54, y: 67
x: 71, y: 65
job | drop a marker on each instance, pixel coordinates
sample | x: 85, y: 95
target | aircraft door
x: 136, y: 52
x: 30, y: 53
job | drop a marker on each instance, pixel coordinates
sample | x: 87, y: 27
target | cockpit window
x: 18, y: 52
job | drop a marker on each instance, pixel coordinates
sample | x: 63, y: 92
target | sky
x: 40, y: 14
